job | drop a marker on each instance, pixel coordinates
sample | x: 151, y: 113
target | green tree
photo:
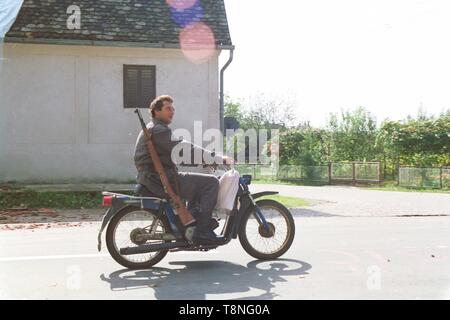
x: 261, y: 112
x: 353, y: 136
x: 307, y: 146
x: 417, y: 142
x: 233, y: 109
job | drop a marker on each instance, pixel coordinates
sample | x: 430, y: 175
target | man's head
x: 162, y: 109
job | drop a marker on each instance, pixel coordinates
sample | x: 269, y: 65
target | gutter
x: 230, y: 59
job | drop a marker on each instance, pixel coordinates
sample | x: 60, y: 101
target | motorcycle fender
x: 106, y: 218
x: 264, y: 193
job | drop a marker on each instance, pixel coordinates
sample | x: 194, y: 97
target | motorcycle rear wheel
x: 121, y: 229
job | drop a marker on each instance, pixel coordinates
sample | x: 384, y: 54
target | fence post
x: 329, y: 172
x: 440, y: 177
x: 379, y: 173
x: 354, y: 174
x: 254, y: 170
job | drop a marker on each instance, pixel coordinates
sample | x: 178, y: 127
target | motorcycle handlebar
x: 214, y: 166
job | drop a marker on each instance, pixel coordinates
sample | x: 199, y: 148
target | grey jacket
x: 164, y: 142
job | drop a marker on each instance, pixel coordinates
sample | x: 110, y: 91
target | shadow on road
x: 301, y: 212
x: 194, y: 280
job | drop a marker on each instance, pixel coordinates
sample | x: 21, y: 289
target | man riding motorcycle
x: 193, y: 187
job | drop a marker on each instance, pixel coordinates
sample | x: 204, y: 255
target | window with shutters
x: 139, y: 85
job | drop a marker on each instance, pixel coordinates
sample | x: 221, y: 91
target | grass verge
x: 289, y: 202
x: 60, y: 200
x: 392, y: 186
x: 290, y: 182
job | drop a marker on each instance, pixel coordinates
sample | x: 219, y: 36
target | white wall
x: 61, y: 109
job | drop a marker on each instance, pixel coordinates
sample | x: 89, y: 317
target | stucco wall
x: 62, y: 116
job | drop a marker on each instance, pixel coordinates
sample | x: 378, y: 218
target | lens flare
x: 181, y: 4
x: 197, y: 42
x: 187, y: 16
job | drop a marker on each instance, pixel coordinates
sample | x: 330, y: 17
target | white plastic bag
x: 228, y: 187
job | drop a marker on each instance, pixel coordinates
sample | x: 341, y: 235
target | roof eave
x: 107, y: 43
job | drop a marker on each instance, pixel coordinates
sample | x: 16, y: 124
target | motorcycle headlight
x: 247, y: 179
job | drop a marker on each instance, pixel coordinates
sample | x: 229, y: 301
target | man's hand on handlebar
x: 226, y: 164
x: 227, y: 160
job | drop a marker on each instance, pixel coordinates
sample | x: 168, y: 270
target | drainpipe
x: 222, y: 126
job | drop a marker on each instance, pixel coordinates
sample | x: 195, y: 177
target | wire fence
x: 350, y: 172
x: 438, y: 178
x: 304, y: 173
x: 335, y: 172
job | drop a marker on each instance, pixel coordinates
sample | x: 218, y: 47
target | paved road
x: 332, y: 257
x: 359, y: 202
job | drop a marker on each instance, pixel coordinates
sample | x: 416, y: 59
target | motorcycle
x: 140, y: 231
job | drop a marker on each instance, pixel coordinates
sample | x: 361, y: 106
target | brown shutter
x: 139, y: 85
x: 147, y: 86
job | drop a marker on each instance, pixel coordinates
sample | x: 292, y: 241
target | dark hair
x: 158, y: 103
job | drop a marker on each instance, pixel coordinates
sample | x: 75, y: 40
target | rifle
x: 184, y: 214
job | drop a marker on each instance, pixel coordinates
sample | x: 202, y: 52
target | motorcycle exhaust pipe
x: 146, y: 248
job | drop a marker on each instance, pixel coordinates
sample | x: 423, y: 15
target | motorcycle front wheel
x: 265, y: 244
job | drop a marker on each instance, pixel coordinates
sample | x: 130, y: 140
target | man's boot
x: 203, y: 233
x: 208, y: 237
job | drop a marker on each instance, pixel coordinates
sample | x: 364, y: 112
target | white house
x: 73, y: 71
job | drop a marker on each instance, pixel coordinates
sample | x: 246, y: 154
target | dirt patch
x: 24, y: 218
x: 33, y: 226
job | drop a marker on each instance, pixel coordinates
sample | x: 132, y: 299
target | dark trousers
x: 200, y: 189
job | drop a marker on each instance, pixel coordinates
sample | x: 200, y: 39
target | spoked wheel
x: 128, y: 228
x: 271, y: 243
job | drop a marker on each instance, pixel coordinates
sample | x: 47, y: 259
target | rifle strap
x: 175, y: 172
x: 177, y: 185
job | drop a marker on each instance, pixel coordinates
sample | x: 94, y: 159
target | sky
x: 324, y: 56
